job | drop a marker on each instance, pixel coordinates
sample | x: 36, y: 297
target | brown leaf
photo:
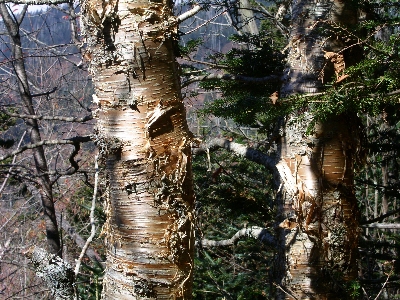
x: 215, y: 174
x: 274, y: 97
x: 338, y: 65
x: 287, y: 224
x: 341, y: 78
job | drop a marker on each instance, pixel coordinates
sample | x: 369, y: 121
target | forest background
x: 226, y: 56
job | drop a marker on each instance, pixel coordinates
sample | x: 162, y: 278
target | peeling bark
x: 318, y: 250
x: 145, y: 142
x: 318, y: 198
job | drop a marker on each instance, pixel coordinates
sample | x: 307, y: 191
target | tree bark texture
x: 317, y: 212
x: 143, y: 135
x: 41, y: 166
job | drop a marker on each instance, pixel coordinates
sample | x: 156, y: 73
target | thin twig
x: 71, y: 141
x: 383, y: 286
x: 13, y: 162
x: 279, y: 287
x: 205, y: 23
x: 92, y: 218
x: 52, y: 118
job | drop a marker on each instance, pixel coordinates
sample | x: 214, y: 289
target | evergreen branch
x: 70, y: 141
x: 241, y: 78
x: 255, y: 232
x: 241, y: 150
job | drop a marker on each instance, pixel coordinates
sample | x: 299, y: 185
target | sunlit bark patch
x: 322, y: 229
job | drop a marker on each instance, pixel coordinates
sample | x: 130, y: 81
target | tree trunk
x: 317, y: 211
x: 144, y: 139
x: 41, y: 167
x: 247, y: 19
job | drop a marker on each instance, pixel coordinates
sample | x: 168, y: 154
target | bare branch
x: 290, y: 295
x: 382, y: 225
x: 382, y: 217
x: 28, y: 175
x: 396, y: 92
x: 189, y: 13
x: 22, y: 14
x: 50, y: 48
x: 45, y: 93
x: 283, y: 29
x: 52, y: 118
x: 239, y: 149
x: 74, y: 165
x: 241, y: 78
x: 4, y: 248
x: 13, y: 161
x: 205, y: 23
x: 56, y: 272
x: 386, y: 281
x: 40, y: 161
x: 71, y: 141
x: 255, y: 232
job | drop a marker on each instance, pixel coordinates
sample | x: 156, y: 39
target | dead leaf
x: 338, y: 65
x: 274, y: 97
x: 287, y: 224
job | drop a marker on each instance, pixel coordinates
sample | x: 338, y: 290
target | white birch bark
x: 318, y: 212
x: 144, y: 139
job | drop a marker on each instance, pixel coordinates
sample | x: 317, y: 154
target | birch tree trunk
x: 318, y: 213
x: 144, y: 139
